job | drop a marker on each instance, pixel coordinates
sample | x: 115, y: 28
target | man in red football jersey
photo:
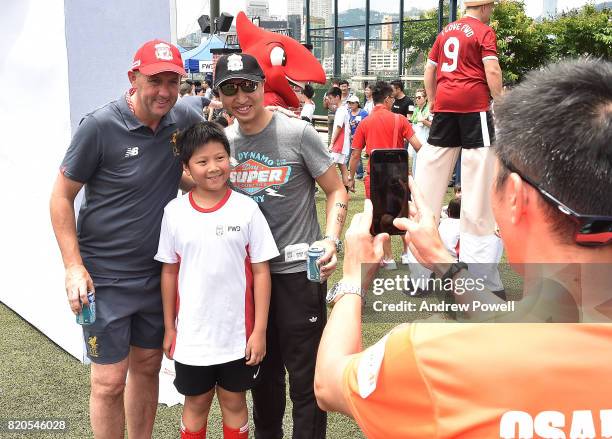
x: 461, y: 76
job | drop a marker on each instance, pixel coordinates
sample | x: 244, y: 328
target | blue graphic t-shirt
x: 355, y: 119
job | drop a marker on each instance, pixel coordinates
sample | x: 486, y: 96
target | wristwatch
x: 453, y: 270
x: 340, y: 289
x: 337, y: 242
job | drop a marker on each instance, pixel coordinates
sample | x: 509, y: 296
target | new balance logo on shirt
x: 131, y: 151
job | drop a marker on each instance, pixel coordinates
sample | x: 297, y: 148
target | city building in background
x: 549, y: 8
x: 361, y: 40
x: 258, y: 8
x: 364, y: 38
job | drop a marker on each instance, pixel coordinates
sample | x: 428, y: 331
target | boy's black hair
x: 334, y: 91
x: 308, y: 91
x: 454, y: 208
x: 188, y: 141
x: 221, y: 120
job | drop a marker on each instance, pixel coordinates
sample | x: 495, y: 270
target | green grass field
x: 39, y: 380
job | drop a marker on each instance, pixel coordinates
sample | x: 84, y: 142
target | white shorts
x: 339, y: 158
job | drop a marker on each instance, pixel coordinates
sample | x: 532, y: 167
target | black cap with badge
x: 237, y: 66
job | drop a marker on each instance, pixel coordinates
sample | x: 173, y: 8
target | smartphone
x: 389, y: 190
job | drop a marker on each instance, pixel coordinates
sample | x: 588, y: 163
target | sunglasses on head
x: 591, y: 230
x: 231, y: 88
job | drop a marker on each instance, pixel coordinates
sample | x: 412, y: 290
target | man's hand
x: 346, y: 181
x: 351, y: 184
x: 422, y: 235
x: 327, y: 262
x: 256, y: 348
x: 78, y: 282
x: 362, y: 248
x: 169, y: 337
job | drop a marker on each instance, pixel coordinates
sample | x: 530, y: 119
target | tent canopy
x: 200, y: 59
x: 202, y: 52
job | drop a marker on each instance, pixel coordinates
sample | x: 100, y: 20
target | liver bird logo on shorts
x: 92, y: 346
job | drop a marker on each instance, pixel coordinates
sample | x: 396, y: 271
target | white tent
x: 83, y: 51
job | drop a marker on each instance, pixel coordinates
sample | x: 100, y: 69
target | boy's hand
x: 256, y: 348
x: 169, y: 338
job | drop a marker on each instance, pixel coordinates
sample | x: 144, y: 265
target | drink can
x: 88, y: 312
x: 313, y: 273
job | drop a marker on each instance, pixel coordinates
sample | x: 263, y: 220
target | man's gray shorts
x: 128, y: 313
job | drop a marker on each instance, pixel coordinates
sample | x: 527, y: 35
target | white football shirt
x: 215, y: 248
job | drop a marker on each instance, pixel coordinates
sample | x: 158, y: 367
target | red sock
x: 185, y: 434
x: 236, y: 433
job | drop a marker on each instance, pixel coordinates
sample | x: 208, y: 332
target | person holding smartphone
x: 484, y: 380
x: 380, y: 130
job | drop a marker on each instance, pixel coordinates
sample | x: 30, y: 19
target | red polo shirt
x: 376, y: 132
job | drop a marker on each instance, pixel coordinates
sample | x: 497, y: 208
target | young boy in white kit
x: 215, y: 244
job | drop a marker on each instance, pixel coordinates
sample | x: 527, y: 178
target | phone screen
x: 389, y: 190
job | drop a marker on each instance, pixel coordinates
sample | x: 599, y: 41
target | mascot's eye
x: 277, y: 56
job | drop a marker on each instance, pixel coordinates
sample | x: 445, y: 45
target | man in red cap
x: 122, y: 153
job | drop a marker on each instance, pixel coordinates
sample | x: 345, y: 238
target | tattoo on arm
x: 341, y: 218
x: 341, y: 206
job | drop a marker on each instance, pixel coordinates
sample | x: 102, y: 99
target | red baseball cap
x: 158, y: 56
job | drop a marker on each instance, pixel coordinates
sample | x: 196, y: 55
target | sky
x: 188, y: 11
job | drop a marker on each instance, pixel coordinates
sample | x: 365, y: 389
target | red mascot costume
x: 285, y: 62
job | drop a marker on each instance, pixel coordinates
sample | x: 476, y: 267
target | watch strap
x: 337, y: 242
x: 454, y: 269
x: 340, y: 289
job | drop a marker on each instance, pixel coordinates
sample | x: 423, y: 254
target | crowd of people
x: 216, y: 278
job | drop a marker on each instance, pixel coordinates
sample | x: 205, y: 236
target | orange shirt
x: 376, y: 130
x: 430, y: 380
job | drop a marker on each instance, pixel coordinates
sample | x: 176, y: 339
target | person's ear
x: 132, y: 77
x: 186, y: 169
x: 515, y: 192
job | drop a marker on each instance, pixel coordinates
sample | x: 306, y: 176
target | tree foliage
x: 580, y: 32
x: 523, y: 43
x: 420, y: 35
